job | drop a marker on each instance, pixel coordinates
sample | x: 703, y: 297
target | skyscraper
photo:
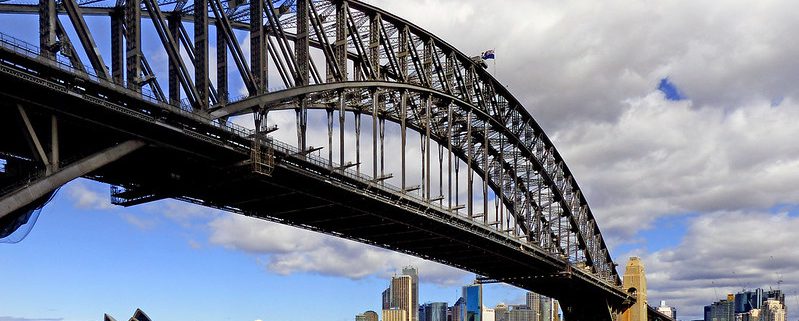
x: 748, y: 301
x: 534, y: 301
x: 501, y: 312
x: 723, y: 310
x: 487, y: 314
x: 457, y: 310
x: 521, y: 313
x: 414, y: 274
x: 387, y: 298
x: 435, y: 311
x: 667, y: 310
x: 370, y: 315
x: 772, y: 310
x: 473, y: 302
x: 401, y: 295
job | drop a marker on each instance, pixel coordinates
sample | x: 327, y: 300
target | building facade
x: 522, y: 313
x: 534, y: 302
x: 473, y: 303
x: 457, y: 310
x: 395, y: 315
x: 435, y: 311
x: 723, y: 310
x: 501, y: 312
x: 370, y: 315
x: 667, y: 310
x: 401, y: 295
x: 487, y: 314
x: 387, y: 298
x: 414, y: 274
x: 772, y: 310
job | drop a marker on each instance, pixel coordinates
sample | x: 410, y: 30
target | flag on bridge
x: 488, y: 54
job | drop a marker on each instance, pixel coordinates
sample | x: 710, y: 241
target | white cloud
x: 289, y: 250
x: 185, y: 214
x: 664, y: 158
x: 722, y: 253
x: 86, y: 197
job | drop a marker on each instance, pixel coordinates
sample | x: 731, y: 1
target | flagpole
x: 495, y: 67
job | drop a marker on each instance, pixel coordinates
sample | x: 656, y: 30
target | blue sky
x: 684, y: 145
x: 85, y: 258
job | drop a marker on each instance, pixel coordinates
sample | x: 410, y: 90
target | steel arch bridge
x: 506, y: 206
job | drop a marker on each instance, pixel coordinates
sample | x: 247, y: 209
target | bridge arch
x: 365, y: 61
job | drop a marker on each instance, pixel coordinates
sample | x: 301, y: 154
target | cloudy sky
x: 677, y: 117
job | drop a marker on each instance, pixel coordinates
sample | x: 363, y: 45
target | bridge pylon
x: 634, y: 282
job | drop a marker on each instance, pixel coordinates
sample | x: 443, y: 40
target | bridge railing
x: 32, y: 51
x: 339, y: 169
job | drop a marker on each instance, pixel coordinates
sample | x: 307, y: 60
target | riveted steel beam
x: 86, y: 39
x: 133, y: 52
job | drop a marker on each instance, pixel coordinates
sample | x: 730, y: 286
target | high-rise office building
x: 501, y: 312
x: 543, y: 308
x: 401, y: 295
x: 533, y: 301
x: 387, y: 298
x: 487, y: 314
x: 414, y: 274
x: 723, y: 310
x: 545, y: 314
x: 749, y: 305
x: 435, y: 311
x: 555, y: 310
x: 667, y: 310
x: 748, y: 300
x: 549, y: 309
x: 457, y: 309
x: 395, y: 315
x: 775, y: 295
x: 370, y: 315
x: 772, y: 310
x: 521, y: 313
x: 473, y: 302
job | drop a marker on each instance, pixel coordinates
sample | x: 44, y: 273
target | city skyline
x: 678, y: 120
x: 469, y: 306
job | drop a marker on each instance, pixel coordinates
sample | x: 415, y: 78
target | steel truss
x: 350, y: 57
